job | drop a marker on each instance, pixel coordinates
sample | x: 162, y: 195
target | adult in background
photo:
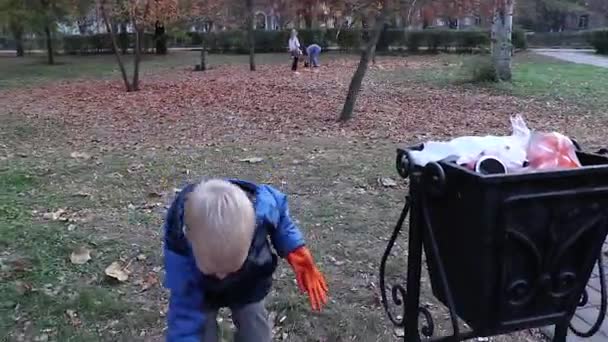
x: 294, y: 50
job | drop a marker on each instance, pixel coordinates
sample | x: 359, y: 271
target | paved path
x: 575, y: 56
x: 586, y: 316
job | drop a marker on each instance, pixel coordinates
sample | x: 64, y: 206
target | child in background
x: 217, y: 254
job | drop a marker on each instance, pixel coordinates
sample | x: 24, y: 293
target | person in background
x: 312, y: 52
x: 304, y: 54
x: 294, y: 50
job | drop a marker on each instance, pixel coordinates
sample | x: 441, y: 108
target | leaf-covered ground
x: 86, y: 171
x: 229, y: 103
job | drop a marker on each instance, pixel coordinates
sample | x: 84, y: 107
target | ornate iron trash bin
x: 504, y: 252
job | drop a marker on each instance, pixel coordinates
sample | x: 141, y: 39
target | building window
x: 583, y: 22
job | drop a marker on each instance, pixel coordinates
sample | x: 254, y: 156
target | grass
x: 38, y: 284
x: 534, y: 76
x: 125, y: 215
x: 569, y: 82
x: 344, y: 213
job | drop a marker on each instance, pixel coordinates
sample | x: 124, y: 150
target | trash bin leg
x: 561, y: 332
x: 414, y: 268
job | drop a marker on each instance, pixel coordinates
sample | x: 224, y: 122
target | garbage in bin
x: 522, y: 151
x: 551, y: 150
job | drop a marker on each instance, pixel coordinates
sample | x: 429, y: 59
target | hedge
x: 102, y: 43
x: 599, y: 40
x: 276, y: 41
x: 577, y: 39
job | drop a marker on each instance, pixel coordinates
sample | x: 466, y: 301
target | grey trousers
x: 251, y: 323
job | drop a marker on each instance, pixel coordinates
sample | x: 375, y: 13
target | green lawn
x: 534, y: 76
x: 545, y: 77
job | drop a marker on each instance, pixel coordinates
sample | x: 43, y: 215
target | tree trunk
x: 19, y: 47
x: 123, y: 38
x: 136, y: 60
x: 49, y: 45
x: 502, y: 27
x: 251, y: 34
x: 408, y: 20
x: 314, y: 15
x: 18, y: 35
x: 160, y: 38
x: 203, y: 65
x: 121, y: 65
x: 366, y: 55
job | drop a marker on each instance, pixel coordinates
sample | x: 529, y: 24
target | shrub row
x: 276, y: 41
x: 102, y: 43
x: 599, y: 40
x: 571, y: 39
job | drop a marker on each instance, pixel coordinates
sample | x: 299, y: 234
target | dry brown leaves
x: 230, y: 103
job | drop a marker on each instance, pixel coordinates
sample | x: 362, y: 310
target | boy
x: 217, y: 254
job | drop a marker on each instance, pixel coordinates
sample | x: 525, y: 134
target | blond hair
x: 220, y: 222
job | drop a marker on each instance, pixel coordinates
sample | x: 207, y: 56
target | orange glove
x: 309, y: 279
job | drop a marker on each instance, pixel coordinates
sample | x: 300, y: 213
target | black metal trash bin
x: 516, y: 250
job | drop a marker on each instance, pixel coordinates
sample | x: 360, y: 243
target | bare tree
x: 502, y: 47
x: 108, y: 24
x: 251, y: 34
x: 366, y: 55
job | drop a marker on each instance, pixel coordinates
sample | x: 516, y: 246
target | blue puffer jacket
x: 193, y: 291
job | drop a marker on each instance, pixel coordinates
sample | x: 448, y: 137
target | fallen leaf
x: 73, y: 318
x: 252, y: 160
x: 80, y: 256
x: 81, y: 194
x: 150, y: 281
x: 80, y: 155
x: 56, y: 215
x: 141, y: 257
x: 135, y: 168
x: 154, y: 194
x: 387, y: 182
x: 116, y: 271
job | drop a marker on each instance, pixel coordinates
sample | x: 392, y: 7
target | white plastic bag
x: 511, y: 150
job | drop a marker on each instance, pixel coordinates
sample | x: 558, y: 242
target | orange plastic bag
x: 550, y: 151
